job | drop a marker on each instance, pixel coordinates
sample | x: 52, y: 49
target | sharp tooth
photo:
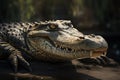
x: 72, y: 50
x: 91, y: 53
x: 55, y: 45
x: 66, y: 49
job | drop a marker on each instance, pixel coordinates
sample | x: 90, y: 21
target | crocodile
x: 50, y: 41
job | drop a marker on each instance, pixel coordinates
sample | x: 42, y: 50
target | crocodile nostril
x: 98, y: 37
x: 93, y: 35
x: 81, y: 38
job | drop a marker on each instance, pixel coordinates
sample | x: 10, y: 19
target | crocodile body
x: 49, y: 41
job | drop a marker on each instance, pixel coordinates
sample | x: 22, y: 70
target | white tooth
x: 55, y: 45
x: 66, y: 49
x: 72, y: 50
x: 91, y: 53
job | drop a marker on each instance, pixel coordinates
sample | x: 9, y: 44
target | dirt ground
x: 60, y: 71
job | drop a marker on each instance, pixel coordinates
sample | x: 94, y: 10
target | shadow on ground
x: 60, y: 71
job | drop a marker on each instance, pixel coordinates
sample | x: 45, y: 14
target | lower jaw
x: 59, y: 58
x: 51, y: 58
x: 97, y: 54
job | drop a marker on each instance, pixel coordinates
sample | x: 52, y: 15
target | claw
x: 106, y: 59
x: 90, y: 61
x: 14, y: 62
x: 102, y: 62
x: 24, y: 63
x: 17, y: 57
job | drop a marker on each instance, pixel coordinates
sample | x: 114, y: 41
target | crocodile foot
x: 101, y: 61
x: 16, y: 58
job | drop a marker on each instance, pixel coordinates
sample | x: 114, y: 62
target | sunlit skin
x: 59, y: 38
x: 49, y: 41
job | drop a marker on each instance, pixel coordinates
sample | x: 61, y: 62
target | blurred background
x: 88, y: 16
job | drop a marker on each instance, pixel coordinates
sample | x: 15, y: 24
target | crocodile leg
x: 101, y: 61
x: 106, y: 59
x: 13, y: 55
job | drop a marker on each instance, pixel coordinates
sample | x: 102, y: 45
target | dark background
x: 88, y: 16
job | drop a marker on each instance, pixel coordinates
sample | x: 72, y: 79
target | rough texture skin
x: 49, y: 41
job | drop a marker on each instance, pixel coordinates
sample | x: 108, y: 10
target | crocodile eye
x: 53, y: 26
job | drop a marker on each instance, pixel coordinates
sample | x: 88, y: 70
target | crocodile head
x: 60, y: 40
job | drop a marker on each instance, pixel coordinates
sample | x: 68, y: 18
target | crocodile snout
x: 96, y: 42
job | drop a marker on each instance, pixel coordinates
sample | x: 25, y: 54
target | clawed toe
x: 17, y: 58
x: 24, y: 63
x: 101, y: 60
x: 106, y: 59
x: 14, y: 62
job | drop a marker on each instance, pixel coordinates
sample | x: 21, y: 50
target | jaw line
x: 48, y: 46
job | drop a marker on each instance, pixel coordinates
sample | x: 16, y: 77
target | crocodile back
x: 13, y: 33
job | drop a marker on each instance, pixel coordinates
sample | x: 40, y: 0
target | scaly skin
x: 49, y: 41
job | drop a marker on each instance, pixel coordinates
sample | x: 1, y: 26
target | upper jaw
x: 90, y: 42
x: 97, y: 47
x: 96, y: 43
x: 69, y: 51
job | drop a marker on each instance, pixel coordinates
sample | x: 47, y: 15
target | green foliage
x: 26, y: 9
x: 85, y: 12
x: 99, y: 7
x: 15, y: 10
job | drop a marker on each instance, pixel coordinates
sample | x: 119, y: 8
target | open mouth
x: 70, y: 50
x: 49, y: 46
